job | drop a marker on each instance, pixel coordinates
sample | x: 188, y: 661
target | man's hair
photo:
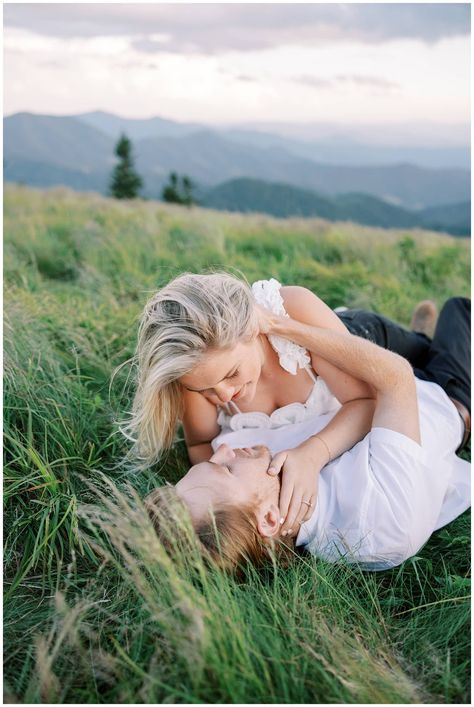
x: 191, y: 315
x: 228, y: 537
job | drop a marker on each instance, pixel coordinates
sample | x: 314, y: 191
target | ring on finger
x: 308, y: 503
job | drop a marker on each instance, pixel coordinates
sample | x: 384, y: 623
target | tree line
x: 125, y: 182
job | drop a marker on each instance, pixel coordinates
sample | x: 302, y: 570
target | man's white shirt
x: 379, y: 502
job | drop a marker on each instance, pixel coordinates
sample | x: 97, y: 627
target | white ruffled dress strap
x: 291, y: 355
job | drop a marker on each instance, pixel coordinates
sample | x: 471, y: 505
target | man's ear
x: 268, y: 521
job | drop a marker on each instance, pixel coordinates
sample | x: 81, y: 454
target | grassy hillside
x: 94, y: 610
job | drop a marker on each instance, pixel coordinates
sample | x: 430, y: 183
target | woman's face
x: 231, y: 476
x: 230, y: 374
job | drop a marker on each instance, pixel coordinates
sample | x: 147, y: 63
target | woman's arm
x: 200, y: 426
x: 355, y: 383
x: 301, y: 466
x: 390, y: 375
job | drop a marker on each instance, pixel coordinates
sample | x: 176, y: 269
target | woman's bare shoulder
x: 199, y: 418
x: 303, y: 305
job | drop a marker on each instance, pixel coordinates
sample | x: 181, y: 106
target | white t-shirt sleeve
x: 379, y: 505
x: 405, y: 496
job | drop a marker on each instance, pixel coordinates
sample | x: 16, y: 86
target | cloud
x: 313, y: 81
x: 246, y: 79
x: 369, y: 81
x: 341, y: 80
x: 217, y: 28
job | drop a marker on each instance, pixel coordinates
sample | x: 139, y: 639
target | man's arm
x: 352, y: 422
x: 304, y: 306
x: 390, y: 375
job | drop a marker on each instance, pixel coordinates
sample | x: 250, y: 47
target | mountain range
x: 323, y: 143
x: 78, y: 151
x: 283, y: 200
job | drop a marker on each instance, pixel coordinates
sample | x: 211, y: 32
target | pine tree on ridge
x: 125, y: 182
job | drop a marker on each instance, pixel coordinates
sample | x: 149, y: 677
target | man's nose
x: 223, y: 453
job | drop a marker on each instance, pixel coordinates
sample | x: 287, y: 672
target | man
x: 378, y: 503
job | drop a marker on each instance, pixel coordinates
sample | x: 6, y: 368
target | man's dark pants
x: 446, y: 359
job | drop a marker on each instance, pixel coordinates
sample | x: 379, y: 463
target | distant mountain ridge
x: 333, y: 149
x: 63, y: 141
x: 78, y: 151
x: 283, y: 200
x: 137, y: 128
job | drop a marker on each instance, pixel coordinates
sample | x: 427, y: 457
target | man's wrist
x: 276, y: 324
x: 283, y: 326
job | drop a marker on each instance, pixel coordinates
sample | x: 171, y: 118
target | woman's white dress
x: 292, y: 357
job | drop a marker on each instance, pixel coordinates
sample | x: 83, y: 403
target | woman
x: 202, y: 358
x: 379, y: 502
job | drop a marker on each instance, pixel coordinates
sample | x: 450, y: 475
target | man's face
x: 231, y: 476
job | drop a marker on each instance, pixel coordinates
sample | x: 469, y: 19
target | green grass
x: 94, y: 610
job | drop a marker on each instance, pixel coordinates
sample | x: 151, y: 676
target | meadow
x: 94, y: 609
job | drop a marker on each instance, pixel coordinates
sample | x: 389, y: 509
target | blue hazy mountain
x: 58, y: 140
x: 338, y: 147
x: 284, y: 200
x: 78, y: 151
x: 136, y: 128
x: 342, y: 149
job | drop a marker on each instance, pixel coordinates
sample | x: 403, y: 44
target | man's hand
x: 266, y: 319
x: 300, y: 469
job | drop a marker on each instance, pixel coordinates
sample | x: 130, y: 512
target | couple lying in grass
x: 304, y: 427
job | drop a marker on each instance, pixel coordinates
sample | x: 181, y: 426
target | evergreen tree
x: 125, y: 182
x: 187, y: 192
x: 179, y: 190
x: 170, y: 191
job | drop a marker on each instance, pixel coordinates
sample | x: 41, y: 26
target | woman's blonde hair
x: 188, y: 317
x: 228, y: 537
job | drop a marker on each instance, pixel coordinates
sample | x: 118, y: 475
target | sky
x: 218, y: 63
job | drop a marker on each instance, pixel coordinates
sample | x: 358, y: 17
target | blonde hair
x: 228, y: 537
x: 188, y: 317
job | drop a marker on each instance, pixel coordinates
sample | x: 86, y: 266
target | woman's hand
x: 299, y: 470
